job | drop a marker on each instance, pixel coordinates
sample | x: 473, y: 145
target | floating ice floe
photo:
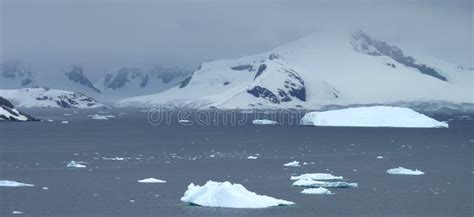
x: 319, y: 190
x: 73, y: 164
x: 7, y: 183
x: 17, y: 212
x: 252, y: 157
x: 292, y: 164
x: 379, y: 157
x: 264, y: 122
x: 183, y: 121
x: 99, y: 117
x: 228, y: 195
x: 64, y: 122
x: 113, y: 158
x: 404, y: 171
x: 151, y: 180
x: 374, y: 116
x: 324, y: 184
x: 317, y: 176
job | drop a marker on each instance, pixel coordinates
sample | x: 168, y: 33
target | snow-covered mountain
x: 48, y: 98
x: 118, y: 83
x: 321, y: 69
x: 9, y: 113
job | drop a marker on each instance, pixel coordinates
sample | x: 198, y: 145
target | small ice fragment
x: 404, y: 171
x: 292, y: 164
x: 17, y: 212
x: 264, y: 122
x: 183, y: 121
x: 73, y: 164
x: 319, y: 190
x: 45, y: 188
x: 99, y: 117
x: 228, y: 195
x: 151, y: 180
x: 7, y: 183
x: 379, y: 157
x: 64, y: 122
x: 132, y: 201
x: 252, y: 157
x: 317, y: 176
x: 324, y: 184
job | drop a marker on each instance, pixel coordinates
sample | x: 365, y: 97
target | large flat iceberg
x: 404, y: 171
x: 228, y: 195
x: 323, y: 184
x: 316, y: 176
x: 7, y: 183
x: 375, y: 116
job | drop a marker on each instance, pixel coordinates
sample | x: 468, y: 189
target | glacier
x: 376, y: 116
x: 290, y: 77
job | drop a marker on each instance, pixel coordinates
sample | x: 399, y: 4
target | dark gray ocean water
x: 37, y: 153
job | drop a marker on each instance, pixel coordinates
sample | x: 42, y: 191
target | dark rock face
x: 260, y: 70
x: 264, y: 93
x: 247, y: 67
x: 185, y: 82
x: 77, y: 76
x: 293, y: 87
x: 14, y: 114
x: 364, y: 44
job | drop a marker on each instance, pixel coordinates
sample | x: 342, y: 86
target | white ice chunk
x: 252, y: 157
x: 7, y: 183
x: 99, y: 117
x: 319, y: 190
x: 64, y: 122
x: 404, y: 171
x: 228, y: 195
x: 73, y: 164
x: 317, y: 176
x: 264, y: 122
x: 17, y: 212
x: 324, y: 184
x: 183, y: 121
x: 379, y: 157
x: 375, y: 116
x: 151, y: 180
x: 292, y: 164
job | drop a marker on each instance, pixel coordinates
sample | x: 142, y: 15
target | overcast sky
x: 187, y: 32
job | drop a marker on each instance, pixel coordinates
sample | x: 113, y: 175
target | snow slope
x: 48, y: 98
x: 9, y: 113
x: 228, y: 195
x: 321, y: 69
x: 375, y: 116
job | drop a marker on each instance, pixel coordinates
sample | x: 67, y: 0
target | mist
x: 105, y: 33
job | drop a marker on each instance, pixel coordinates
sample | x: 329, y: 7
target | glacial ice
x: 228, y: 195
x: 404, y: 171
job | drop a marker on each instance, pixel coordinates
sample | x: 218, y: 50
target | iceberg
x: 73, y: 164
x: 252, y: 157
x: 151, y: 180
x: 316, y: 176
x: 16, y: 212
x: 404, y: 171
x: 319, y: 190
x: 264, y: 122
x: 99, y: 117
x: 292, y: 164
x: 228, y: 195
x: 324, y: 184
x: 7, y: 183
x: 374, y: 116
